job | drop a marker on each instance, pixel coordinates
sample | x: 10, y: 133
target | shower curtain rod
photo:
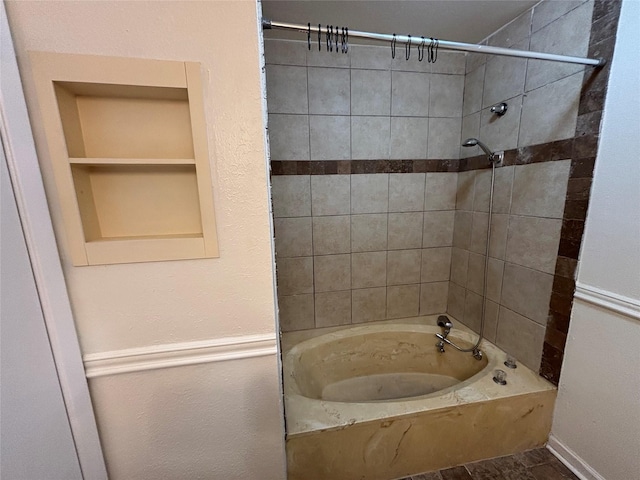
x: 444, y: 44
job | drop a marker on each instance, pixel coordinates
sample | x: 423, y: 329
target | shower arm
x: 443, y: 44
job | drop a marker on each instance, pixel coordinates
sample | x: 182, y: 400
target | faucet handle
x: 444, y: 322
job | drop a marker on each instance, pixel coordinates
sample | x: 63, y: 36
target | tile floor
x: 537, y: 464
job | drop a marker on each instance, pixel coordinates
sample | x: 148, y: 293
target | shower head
x: 472, y: 142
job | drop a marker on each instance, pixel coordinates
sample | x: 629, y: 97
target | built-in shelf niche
x: 128, y: 148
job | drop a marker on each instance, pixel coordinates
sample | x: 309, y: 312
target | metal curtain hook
x: 346, y: 40
x: 435, y: 57
x: 407, y: 48
x: 342, y: 41
x: 319, y: 37
x: 309, y: 35
x: 393, y: 46
x: 421, y: 50
x: 430, y: 51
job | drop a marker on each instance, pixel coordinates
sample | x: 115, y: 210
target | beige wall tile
x: 284, y: 52
x: 403, y: 267
x: 368, y: 269
x: 539, y: 189
x: 459, y: 266
x: 498, y: 240
x: 559, y: 121
x: 293, y: 237
x: 316, y: 58
x: 330, y: 137
x: 455, y: 301
x: 449, y: 62
x: 438, y: 228
x: 433, y: 297
x: 569, y: 35
x: 465, y: 193
x: 440, y: 191
x: 520, y: 337
x: 288, y: 137
x: 370, y: 137
x: 472, y: 311
x: 287, y: 89
x: 481, y: 191
x: 462, y: 229
x: 491, y: 320
x: 331, y: 194
x: 546, y: 12
x: 370, y: 193
x: 436, y: 264
x: 405, y: 230
x: 291, y: 196
x: 295, y: 276
x: 494, y: 279
x: 296, y: 312
x: 444, y: 137
x: 331, y: 272
x: 502, y: 189
x: 512, y: 32
x: 329, y: 97
x: 501, y: 133
x: 403, y: 301
x: 368, y: 304
x: 409, y: 97
x: 406, y: 192
x: 526, y: 292
x: 504, y: 77
x: 370, y: 92
x: 533, y: 242
x: 475, y: 274
x: 446, y: 93
x: 370, y: 57
x: 333, y: 308
x: 479, y: 228
x: 473, y: 87
x: 470, y: 129
x: 331, y: 235
x: 409, y: 137
x: 369, y: 232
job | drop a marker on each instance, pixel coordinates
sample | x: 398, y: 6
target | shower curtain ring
x: 319, y: 37
x: 393, y: 46
x: 309, y: 35
x: 421, y: 50
x: 407, y: 48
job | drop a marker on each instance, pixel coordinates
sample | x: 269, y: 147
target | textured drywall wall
x: 597, y: 413
x: 215, y: 420
x: 134, y: 305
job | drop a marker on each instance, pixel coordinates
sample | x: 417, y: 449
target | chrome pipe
x: 443, y: 44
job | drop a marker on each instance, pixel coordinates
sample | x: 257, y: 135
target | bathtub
x: 380, y: 402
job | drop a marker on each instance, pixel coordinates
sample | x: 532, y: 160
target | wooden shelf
x: 132, y: 161
x: 127, y: 140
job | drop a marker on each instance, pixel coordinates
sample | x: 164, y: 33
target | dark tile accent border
x: 347, y: 167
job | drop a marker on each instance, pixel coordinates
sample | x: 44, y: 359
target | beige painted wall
x: 211, y: 420
x: 125, y: 306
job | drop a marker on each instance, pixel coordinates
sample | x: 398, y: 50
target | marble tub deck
x: 475, y: 420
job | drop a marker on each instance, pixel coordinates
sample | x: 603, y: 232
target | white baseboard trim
x: 608, y: 300
x: 572, y: 461
x: 179, y: 354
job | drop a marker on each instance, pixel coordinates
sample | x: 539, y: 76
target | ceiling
x: 457, y: 20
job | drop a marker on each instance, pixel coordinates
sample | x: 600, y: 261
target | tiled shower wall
x: 550, y: 134
x: 358, y: 248
x: 543, y: 101
x: 362, y: 105
x: 542, y: 96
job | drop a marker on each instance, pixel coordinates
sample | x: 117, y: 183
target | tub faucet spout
x: 445, y: 324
